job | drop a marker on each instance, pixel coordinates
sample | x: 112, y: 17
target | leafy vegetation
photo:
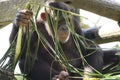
x: 10, y: 59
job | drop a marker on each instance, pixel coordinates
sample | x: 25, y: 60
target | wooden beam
x: 106, y: 8
x: 8, y: 9
x: 100, y: 38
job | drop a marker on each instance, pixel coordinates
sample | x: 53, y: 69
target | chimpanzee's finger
x: 26, y: 12
x: 22, y: 16
x: 22, y: 21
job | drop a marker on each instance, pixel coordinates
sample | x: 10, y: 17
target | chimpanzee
x: 45, y: 66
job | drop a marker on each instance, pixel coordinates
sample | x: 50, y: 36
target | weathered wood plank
x: 107, y: 8
x: 8, y: 9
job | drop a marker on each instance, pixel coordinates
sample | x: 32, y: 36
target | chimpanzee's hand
x: 64, y: 75
x: 22, y: 17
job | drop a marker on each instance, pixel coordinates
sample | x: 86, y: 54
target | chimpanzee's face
x: 63, y: 32
x: 57, y: 16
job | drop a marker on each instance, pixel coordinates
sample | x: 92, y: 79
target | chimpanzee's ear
x: 43, y: 16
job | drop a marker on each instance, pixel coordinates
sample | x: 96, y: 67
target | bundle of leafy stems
x: 14, y: 51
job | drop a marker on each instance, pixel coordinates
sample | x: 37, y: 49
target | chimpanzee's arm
x: 22, y: 18
x: 13, y: 32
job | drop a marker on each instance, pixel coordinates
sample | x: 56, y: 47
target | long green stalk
x: 19, y: 40
x: 18, y: 45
